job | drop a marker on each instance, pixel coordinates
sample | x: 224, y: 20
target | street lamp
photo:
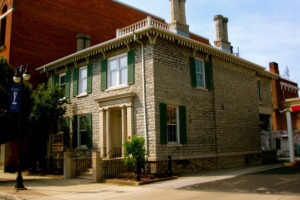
x: 22, y: 72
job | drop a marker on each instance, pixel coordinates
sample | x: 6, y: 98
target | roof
x: 168, y: 35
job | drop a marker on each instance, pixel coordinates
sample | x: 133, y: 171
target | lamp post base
x: 19, y: 185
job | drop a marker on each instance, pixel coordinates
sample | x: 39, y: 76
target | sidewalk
x: 55, y: 187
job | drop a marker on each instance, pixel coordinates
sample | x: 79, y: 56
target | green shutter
x: 182, y: 124
x: 163, y: 123
x: 103, y: 74
x: 193, y: 71
x: 89, y: 78
x: 75, y: 82
x: 130, y: 67
x: 55, y: 78
x: 66, y: 136
x: 67, y: 89
x: 89, y: 142
x: 74, y: 131
x: 208, y: 75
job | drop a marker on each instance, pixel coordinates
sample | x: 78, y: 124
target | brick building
x: 283, y: 89
x: 197, y: 103
x: 37, y: 32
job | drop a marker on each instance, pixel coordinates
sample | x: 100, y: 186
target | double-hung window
x: 82, y: 131
x: 200, y: 73
x: 117, y: 71
x: 82, y: 82
x: 62, y: 81
x: 172, y: 124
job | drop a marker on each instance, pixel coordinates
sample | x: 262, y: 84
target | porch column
x: 124, y: 128
x: 290, y: 134
x: 108, y: 136
x: 102, y: 128
x: 129, y: 122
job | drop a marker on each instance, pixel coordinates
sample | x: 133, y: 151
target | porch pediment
x: 120, y: 100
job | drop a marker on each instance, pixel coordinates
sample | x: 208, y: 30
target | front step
x: 86, y: 174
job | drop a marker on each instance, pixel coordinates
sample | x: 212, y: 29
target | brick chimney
x: 222, y: 33
x: 83, y: 41
x: 273, y: 66
x: 178, y: 18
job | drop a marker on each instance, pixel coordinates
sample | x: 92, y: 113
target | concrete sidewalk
x: 46, y: 188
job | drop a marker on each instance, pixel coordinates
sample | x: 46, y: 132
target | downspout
x: 144, y: 93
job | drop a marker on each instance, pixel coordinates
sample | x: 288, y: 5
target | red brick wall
x: 43, y: 31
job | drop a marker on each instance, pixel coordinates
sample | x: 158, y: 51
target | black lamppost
x: 22, y: 72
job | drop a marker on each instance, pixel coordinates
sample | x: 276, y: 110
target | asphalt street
x: 284, y: 180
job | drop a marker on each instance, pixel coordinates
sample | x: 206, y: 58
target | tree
x: 8, y: 120
x: 135, y: 153
x: 49, y: 106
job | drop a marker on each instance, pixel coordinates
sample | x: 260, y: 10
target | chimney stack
x: 222, y: 33
x: 273, y: 66
x: 178, y: 18
x: 83, y: 41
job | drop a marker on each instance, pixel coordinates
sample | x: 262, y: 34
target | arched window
x: 3, y: 27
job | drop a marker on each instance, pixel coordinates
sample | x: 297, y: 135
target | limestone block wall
x: 87, y: 104
x: 172, y: 85
x: 236, y: 108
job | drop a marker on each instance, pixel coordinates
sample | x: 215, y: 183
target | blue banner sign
x: 15, y: 98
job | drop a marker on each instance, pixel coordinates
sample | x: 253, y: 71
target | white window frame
x: 59, y: 80
x: 79, y: 132
x: 82, y: 90
x: 177, y: 126
x: 201, y: 73
x: 118, y: 70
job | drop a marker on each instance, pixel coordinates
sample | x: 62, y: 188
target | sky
x: 263, y: 30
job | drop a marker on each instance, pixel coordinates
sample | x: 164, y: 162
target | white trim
x: 80, y: 89
x: 203, y: 73
x: 177, y: 126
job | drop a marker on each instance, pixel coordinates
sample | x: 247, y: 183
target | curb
x: 9, y: 196
x: 136, y: 183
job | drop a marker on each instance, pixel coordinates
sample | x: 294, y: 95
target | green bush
x: 135, y: 151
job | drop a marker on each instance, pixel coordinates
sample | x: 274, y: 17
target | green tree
x: 49, y: 106
x: 135, y: 153
x: 8, y: 120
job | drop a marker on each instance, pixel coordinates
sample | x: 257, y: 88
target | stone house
x: 198, y: 103
x: 34, y: 32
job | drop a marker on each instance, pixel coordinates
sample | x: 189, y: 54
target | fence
x: 82, y: 159
x: 153, y: 169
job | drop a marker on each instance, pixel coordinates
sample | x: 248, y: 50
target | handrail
x: 141, y: 24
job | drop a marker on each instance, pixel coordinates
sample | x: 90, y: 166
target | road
x: 285, y: 180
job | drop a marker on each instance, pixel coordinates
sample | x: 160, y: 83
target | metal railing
x: 82, y: 159
x: 152, y: 169
x: 142, y: 24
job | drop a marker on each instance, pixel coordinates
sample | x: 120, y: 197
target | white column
x: 124, y: 128
x: 129, y: 122
x: 102, y: 128
x: 108, y: 136
x: 290, y: 134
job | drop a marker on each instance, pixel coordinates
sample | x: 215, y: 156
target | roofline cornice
x: 168, y: 35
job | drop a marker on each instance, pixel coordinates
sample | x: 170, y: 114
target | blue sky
x: 264, y: 30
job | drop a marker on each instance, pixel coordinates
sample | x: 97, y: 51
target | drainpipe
x: 144, y: 92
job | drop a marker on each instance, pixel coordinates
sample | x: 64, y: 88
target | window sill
x: 259, y: 102
x: 201, y: 88
x: 117, y: 88
x: 82, y: 95
x: 174, y: 145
